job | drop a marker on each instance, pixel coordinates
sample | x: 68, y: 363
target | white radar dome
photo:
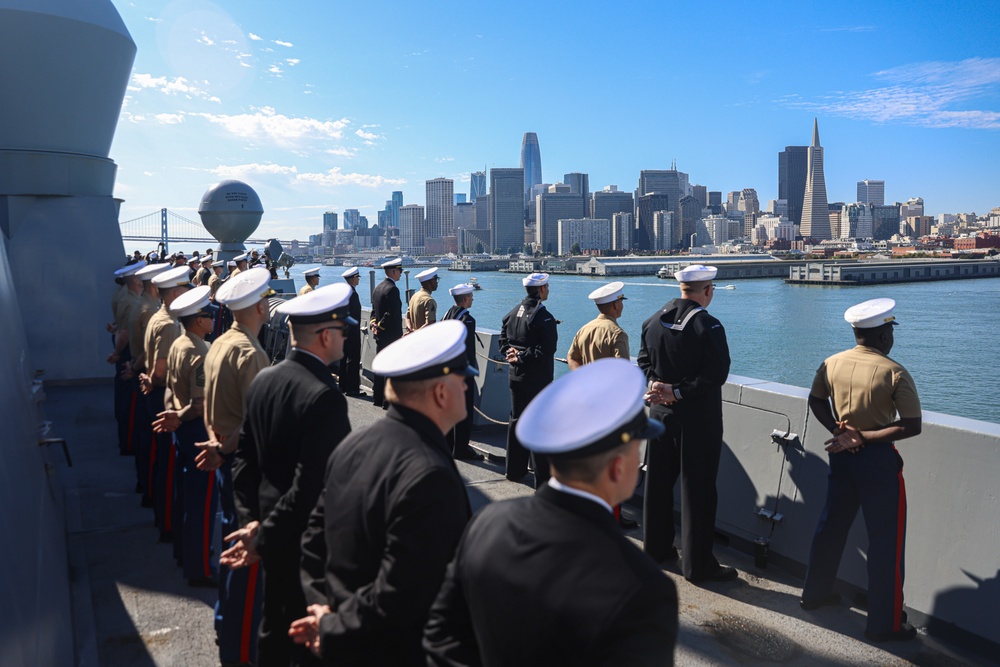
x: 230, y: 211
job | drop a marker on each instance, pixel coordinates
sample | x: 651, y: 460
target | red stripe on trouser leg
x: 152, y: 462
x: 168, y: 511
x: 897, y: 602
x: 131, y: 423
x: 247, y: 636
x: 206, y: 528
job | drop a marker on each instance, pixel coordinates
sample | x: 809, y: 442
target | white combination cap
x: 427, y: 274
x: 432, y: 351
x: 194, y: 260
x: 459, y: 290
x: 535, y: 280
x: 231, y: 264
x: 240, y: 258
x: 562, y: 419
x: 871, y: 314
x: 192, y: 302
x: 150, y: 271
x: 327, y: 304
x: 130, y: 269
x: 393, y: 263
x: 175, y: 277
x: 608, y: 293
x: 696, y: 273
x: 206, y: 259
x: 311, y: 272
x: 245, y: 289
x: 353, y: 271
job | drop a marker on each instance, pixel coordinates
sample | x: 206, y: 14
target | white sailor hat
x: 393, y: 263
x: 240, y: 258
x: 535, y: 280
x: 353, y: 271
x: 231, y: 264
x: 430, y: 352
x: 325, y: 304
x: 608, y: 293
x: 696, y: 273
x: 192, y: 302
x: 427, y: 274
x: 178, y: 276
x: 871, y: 314
x: 562, y: 420
x: 459, y: 290
x: 194, y: 260
x: 205, y: 259
x: 245, y: 289
x: 150, y: 271
x: 129, y: 269
x: 311, y: 272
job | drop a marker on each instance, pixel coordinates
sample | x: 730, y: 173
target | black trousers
x: 690, y: 448
x: 378, y: 384
x: 284, y: 602
x: 521, y: 393
x: 350, y: 365
x: 459, y: 436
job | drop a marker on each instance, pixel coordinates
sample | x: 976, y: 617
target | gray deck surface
x: 133, y: 607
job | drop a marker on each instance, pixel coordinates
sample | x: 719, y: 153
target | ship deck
x: 131, y: 605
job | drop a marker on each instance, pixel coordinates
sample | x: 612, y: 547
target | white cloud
x: 924, y: 94
x: 154, y: 20
x: 169, y: 118
x: 274, y: 69
x: 292, y: 61
x: 148, y: 173
x: 369, y: 137
x: 242, y: 171
x: 342, y: 151
x: 267, y: 124
x: 205, y: 39
x: 255, y: 38
x: 444, y: 159
x: 281, y: 43
x: 334, y: 177
x: 170, y: 86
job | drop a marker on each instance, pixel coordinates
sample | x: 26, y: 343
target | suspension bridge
x: 167, y: 227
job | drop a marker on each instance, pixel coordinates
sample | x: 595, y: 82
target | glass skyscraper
x: 531, y: 164
x: 477, y: 185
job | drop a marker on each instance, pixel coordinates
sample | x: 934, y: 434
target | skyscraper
x: 440, y: 211
x: 793, y: 167
x: 352, y: 217
x: 397, y: 203
x: 622, y: 229
x: 411, y: 229
x: 559, y: 203
x: 329, y: 221
x: 646, y: 205
x: 531, y: 165
x: 477, y: 185
x: 506, y: 209
x: 580, y: 184
x: 815, y: 210
x: 668, y: 182
x: 691, y: 210
x: 605, y: 203
x: 871, y: 192
x: 700, y: 192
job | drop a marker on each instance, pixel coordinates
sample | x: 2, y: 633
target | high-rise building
x: 793, y: 168
x: 663, y: 230
x: 622, y: 230
x: 815, y: 211
x: 668, y: 182
x: 690, y: 215
x: 465, y: 216
x: 506, y: 209
x: 885, y: 221
x: 362, y: 223
x: 605, y: 203
x: 856, y: 221
x: 397, y: 203
x: 714, y: 198
x: 871, y: 192
x: 477, y: 185
x: 440, y: 208
x: 911, y: 208
x: 748, y: 201
x: 645, y: 206
x: 352, y: 217
x: 558, y: 203
x: 411, y: 229
x: 733, y: 201
x: 329, y: 221
x: 588, y: 233
x: 718, y: 228
x: 580, y: 184
x: 700, y: 192
x: 531, y: 166
x: 483, y: 212
x: 459, y: 197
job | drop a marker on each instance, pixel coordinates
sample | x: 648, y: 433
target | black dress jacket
x: 387, y: 312
x: 378, y: 543
x: 531, y: 330
x: 466, y: 318
x: 551, y: 580
x: 295, y: 416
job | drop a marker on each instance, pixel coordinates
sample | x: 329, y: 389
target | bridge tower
x: 164, y: 235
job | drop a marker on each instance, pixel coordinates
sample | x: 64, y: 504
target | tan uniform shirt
x: 232, y: 363
x: 422, y: 309
x: 116, y: 299
x: 128, y: 301
x: 186, y: 370
x: 305, y: 289
x: 161, y: 332
x: 138, y: 321
x: 868, y: 388
x: 213, y: 283
x: 599, y: 338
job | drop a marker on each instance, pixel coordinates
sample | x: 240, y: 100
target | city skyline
x: 244, y: 90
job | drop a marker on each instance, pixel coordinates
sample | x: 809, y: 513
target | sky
x: 323, y: 105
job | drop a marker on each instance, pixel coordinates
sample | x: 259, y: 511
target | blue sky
x: 326, y: 105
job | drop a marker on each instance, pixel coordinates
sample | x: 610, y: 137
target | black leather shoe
x: 468, y: 454
x: 905, y: 633
x: 722, y: 574
x: 810, y: 605
x: 670, y: 559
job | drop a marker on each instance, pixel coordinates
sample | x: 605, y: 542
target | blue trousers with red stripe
x: 238, y: 611
x: 198, y: 503
x: 871, y: 479
x: 163, y: 465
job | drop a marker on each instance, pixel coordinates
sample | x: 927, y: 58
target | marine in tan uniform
x: 126, y: 390
x: 234, y: 360
x: 312, y: 280
x: 241, y: 265
x: 205, y: 272
x: 601, y: 337
x: 422, y: 308
x: 868, y: 402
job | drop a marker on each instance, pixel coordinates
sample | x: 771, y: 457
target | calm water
x: 782, y: 332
